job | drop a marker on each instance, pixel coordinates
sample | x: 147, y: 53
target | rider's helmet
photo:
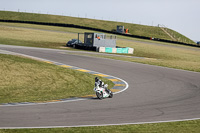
x: 96, y: 79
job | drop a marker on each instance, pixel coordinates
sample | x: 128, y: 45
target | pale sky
x: 179, y: 15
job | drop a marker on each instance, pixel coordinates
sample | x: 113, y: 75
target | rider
x: 101, y: 84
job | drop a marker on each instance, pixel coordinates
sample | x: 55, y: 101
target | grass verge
x: 171, y: 127
x: 173, y: 57
x: 27, y: 80
x: 34, y: 38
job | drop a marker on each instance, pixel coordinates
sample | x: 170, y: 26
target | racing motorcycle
x: 102, y: 93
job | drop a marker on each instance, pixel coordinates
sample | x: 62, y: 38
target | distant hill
x: 134, y: 29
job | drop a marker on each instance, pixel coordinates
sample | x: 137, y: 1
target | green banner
x: 122, y: 50
x: 108, y: 50
x: 119, y: 50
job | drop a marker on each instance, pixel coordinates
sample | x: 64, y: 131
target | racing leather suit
x: 101, y: 84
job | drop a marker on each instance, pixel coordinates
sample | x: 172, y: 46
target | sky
x: 179, y: 15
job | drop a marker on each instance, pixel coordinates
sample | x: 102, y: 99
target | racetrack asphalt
x: 154, y: 94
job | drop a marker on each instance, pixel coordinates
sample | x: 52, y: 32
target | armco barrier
x: 95, y: 29
x: 117, y: 50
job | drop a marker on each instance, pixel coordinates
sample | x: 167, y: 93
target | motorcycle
x: 102, y: 93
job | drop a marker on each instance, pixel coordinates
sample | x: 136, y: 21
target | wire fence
x: 84, y: 15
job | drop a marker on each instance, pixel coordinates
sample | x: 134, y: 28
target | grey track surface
x: 154, y: 94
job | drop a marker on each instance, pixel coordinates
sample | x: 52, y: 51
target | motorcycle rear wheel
x: 111, y: 95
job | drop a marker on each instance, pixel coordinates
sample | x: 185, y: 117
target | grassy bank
x: 135, y: 29
x: 173, y: 127
x: 27, y: 80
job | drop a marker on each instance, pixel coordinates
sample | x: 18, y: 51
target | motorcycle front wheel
x: 99, y: 95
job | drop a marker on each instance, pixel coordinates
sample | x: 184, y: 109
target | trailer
x: 96, y: 40
x: 99, y: 42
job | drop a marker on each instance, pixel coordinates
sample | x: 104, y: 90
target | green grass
x: 179, y: 37
x: 135, y: 29
x: 43, y: 27
x: 27, y: 80
x: 173, y: 57
x: 31, y: 37
x: 173, y: 127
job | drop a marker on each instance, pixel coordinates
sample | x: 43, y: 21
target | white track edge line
x: 120, y: 124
